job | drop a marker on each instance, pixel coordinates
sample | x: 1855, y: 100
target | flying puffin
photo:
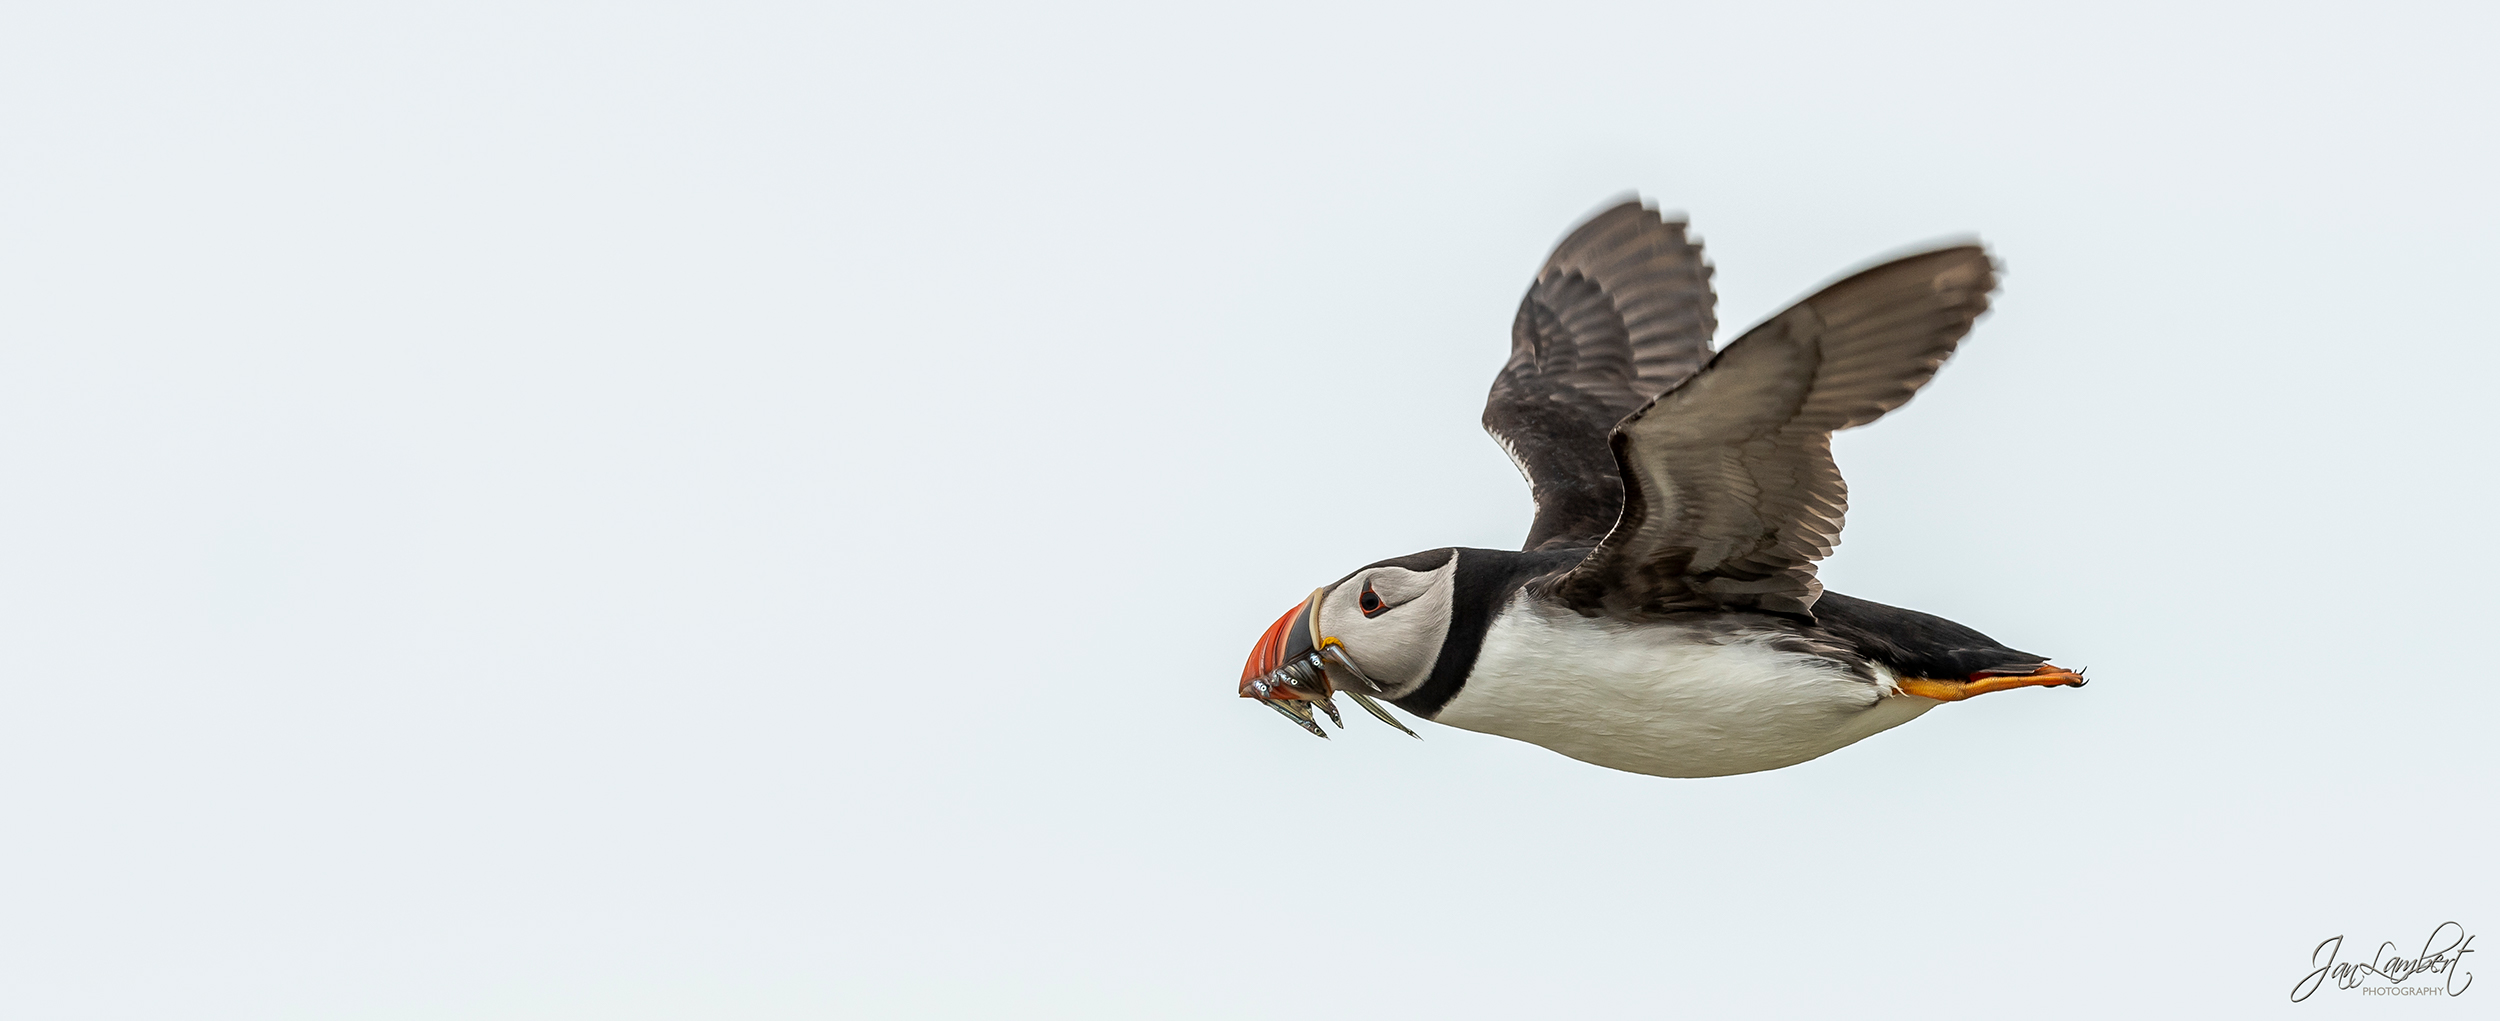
x: 1663, y: 616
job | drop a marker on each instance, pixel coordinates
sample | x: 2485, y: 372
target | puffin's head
x: 1374, y: 635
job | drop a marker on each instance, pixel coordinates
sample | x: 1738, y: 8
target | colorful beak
x: 1288, y: 672
x: 1285, y: 673
x: 1289, y: 642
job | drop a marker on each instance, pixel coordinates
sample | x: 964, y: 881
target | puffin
x: 1663, y: 616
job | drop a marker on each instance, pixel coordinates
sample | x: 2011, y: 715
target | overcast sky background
x: 751, y: 511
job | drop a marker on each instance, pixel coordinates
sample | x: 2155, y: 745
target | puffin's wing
x: 1619, y: 314
x: 1732, y: 494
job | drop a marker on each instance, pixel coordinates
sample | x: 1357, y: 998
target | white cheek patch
x: 1399, y: 588
x: 1396, y: 649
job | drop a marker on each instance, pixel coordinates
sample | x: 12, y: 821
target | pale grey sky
x: 756, y: 511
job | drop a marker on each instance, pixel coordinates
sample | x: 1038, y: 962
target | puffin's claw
x: 2041, y: 676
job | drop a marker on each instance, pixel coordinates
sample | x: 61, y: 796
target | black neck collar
x: 1483, y: 583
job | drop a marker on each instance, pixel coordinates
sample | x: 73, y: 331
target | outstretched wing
x: 1620, y: 314
x: 1732, y: 494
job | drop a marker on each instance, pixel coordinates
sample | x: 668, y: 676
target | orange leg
x: 1955, y: 691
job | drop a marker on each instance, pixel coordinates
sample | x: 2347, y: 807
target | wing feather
x: 1731, y: 494
x: 1620, y: 313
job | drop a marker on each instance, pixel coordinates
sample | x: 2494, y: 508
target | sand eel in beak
x: 1663, y: 616
x: 1289, y: 671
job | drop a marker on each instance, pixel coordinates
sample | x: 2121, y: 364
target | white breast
x: 1666, y: 700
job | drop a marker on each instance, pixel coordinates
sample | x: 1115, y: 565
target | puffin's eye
x: 1371, y: 604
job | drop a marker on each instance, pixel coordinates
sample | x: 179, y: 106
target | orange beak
x: 1288, y: 672
x: 1284, y: 671
x: 1288, y: 641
